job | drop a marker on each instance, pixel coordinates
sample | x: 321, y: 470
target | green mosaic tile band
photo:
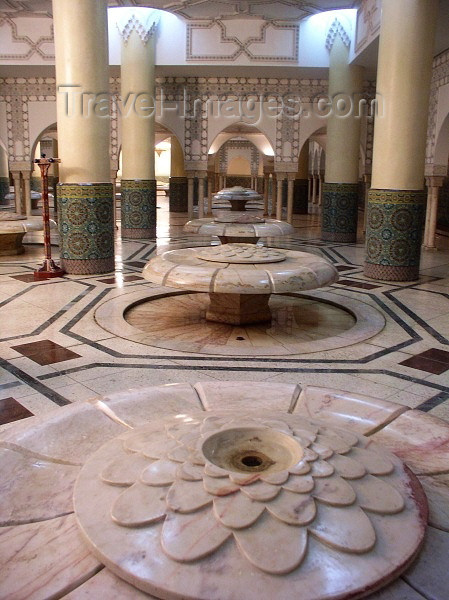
x: 178, y: 194
x: 4, y: 189
x: 301, y: 197
x: 339, y: 212
x: 138, y: 208
x: 394, y: 230
x: 86, y: 227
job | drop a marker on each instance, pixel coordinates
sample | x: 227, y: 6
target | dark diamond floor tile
x: 45, y: 352
x: 27, y: 278
x: 11, y: 410
x: 358, y: 284
x: 343, y: 268
x: 108, y: 280
x: 436, y: 354
x: 132, y: 278
x: 425, y: 364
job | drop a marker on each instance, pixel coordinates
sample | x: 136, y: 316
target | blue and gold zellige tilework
x: 138, y: 208
x: 86, y: 227
x: 339, y: 212
x: 395, y: 225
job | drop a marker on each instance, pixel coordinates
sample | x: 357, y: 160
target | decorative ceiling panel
x: 280, y: 10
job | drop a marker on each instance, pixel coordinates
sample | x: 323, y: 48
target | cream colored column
x: 82, y: 82
x: 339, y: 214
x: 280, y: 181
x: 433, y: 188
x: 26, y: 176
x: 397, y: 198
x: 314, y: 194
x: 138, y: 30
x: 83, y: 107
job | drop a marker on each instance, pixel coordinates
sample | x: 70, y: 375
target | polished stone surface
x: 244, y: 225
x: 67, y: 438
x: 185, y: 269
x: 287, y: 503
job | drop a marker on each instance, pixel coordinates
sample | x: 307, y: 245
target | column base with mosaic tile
x: 86, y: 227
x: 178, y: 194
x: 138, y: 208
x: 339, y: 212
x: 395, y: 225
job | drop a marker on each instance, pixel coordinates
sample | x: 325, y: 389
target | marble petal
x: 139, y: 505
x: 244, y: 478
x: 44, y: 560
x: 283, y: 554
x: 22, y: 502
x: 420, y: 440
x: 334, y: 491
x: 191, y: 472
x: 376, y: 464
x: 293, y: 508
x: 68, y: 436
x: 310, y: 455
x: 137, y: 442
x: 159, y: 473
x: 376, y: 495
x: 214, y: 471
x: 359, y: 413
x: 321, y: 468
x: 347, y: 529
x: 187, y: 496
x: 347, y: 467
x: 276, y: 478
x: 124, y: 470
x: 219, y: 486
x: 179, y: 454
x: 261, y: 491
x: 191, y: 537
x: 340, y: 436
x: 335, y: 443
x: 301, y: 468
x: 299, y: 484
x: 139, y: 406
x: 237, y: 511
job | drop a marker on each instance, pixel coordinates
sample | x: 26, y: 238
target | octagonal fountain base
x: 300, y: 323
x: 258, y: 506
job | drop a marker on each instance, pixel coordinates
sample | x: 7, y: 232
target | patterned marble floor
x: 52, y: 352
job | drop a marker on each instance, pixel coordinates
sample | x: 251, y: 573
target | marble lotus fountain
x: 13, y: 227
x: 234, y: 227
x: 161, y: 511
x: 240, y: 277
x: 237, y: 196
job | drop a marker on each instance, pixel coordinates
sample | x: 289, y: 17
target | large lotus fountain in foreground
x: 240, y: 505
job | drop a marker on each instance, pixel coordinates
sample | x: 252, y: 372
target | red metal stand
x: 49, y: 268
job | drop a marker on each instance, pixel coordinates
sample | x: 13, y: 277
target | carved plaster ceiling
x: 281, y: 10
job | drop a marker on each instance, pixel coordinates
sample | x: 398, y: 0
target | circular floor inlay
x: 330, y: 515
x: 301, y: 323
